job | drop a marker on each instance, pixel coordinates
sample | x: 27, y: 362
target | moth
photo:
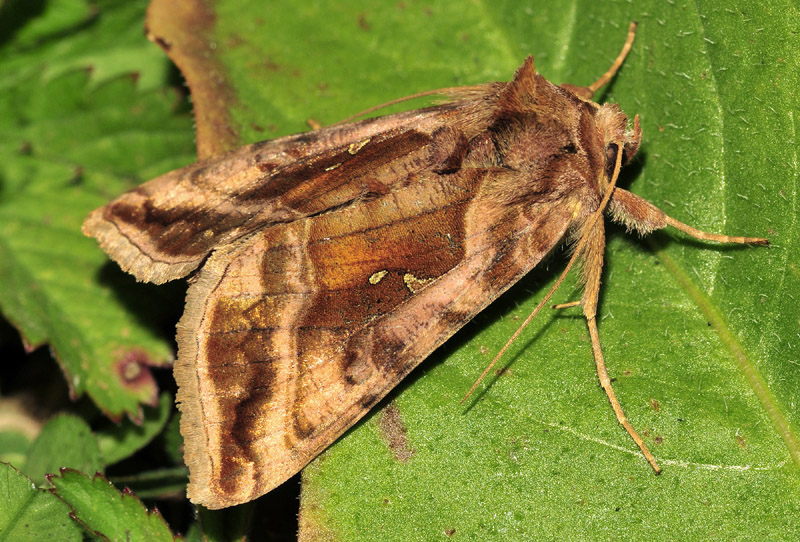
x: 327, y: 265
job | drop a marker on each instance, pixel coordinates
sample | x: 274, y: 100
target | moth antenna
x: 447, y: 90
x: 578, y: 249
x: 606, y: 77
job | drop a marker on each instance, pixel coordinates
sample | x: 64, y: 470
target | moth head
x: 536, y: 120
x: 617, y: 135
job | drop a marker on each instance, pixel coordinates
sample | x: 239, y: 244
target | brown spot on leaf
x: 450, y: 532
x: 655, y: 405
x: 270, y: 65
x: 234, y: 41
x: 740, y: 441
x: 363, y: 23
x: 394, y: 434
x: 133, y: 369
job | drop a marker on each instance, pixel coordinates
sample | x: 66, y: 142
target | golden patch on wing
x: 376, y: 277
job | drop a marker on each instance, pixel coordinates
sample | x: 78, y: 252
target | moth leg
x: 593, y: 269
x: 719, y: 238
x: 639, y: 214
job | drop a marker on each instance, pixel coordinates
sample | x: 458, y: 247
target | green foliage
x: 30, y: 514
x: 102, y: 510
x: 71, y: 137
x: 64, y: 440
x: 118, y: 441
x: 702, y: 341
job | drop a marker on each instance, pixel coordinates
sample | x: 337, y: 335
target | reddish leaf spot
x: 133, y: 368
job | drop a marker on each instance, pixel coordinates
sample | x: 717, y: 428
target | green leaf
x: 70, y: 139
x: 118, y: 442
x: 173, y: 441
x: 30, y: 514
x: 17, y: 431
x: 49, y: 21
x: 55, y: 37
x: 13, y: 446
x: 106, y: 512
x: 158, y: 483
x: 65, y: 441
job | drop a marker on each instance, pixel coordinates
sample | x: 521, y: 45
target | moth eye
x: 611, y: 158
x: 569, y: 148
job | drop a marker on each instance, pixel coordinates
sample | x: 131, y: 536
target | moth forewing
x: 331, y: 264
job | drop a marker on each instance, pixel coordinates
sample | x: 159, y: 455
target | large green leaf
x: 702, y: 341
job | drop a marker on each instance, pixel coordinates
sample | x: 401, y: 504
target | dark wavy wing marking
x: 292, y: 335
x: 164, y: 229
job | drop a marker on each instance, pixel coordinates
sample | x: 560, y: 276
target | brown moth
x: 328, y: 265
